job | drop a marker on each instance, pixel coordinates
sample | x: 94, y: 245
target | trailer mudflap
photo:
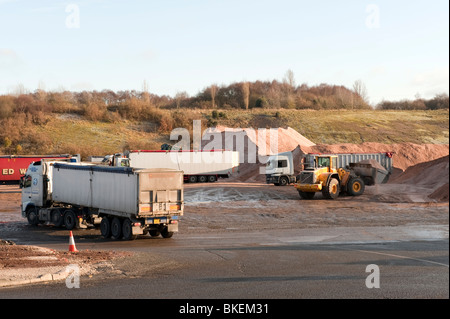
x: 172, y: 227
x: 137, y: 230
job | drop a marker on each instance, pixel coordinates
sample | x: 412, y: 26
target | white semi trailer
x: 197, y: 166
x: 123, y: 201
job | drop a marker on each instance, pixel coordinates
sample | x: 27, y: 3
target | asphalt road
x: 312, y: 263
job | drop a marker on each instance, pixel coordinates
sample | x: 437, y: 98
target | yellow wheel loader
x: 326, y: 174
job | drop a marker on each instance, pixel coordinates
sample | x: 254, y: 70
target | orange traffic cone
x: 72, y: 243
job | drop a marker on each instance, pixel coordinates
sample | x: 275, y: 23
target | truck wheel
x: 57, y: 218
x: 116, y: 228
x: 355, y: 186
x: 127, y: 230
x: 155, y: 233
x: 32, y: 216
x: 212, y: 178
x: 105, y: 227
x: 331, y: 191
x: 284, y: 181
x: 306, y: 195
x: 202, y: 179
x: 70, y: 219
x: 165, y: 233
x: 192, y: 179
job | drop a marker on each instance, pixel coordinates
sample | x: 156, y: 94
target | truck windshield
x: 270, y: 164
x: 26, y: 181
x: 106, y: 160
x: 276, y: 164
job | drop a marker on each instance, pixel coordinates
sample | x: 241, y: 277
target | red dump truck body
x: 12, y: 167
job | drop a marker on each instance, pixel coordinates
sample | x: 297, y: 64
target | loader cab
x: 323, y: 162
x: 327, y: 163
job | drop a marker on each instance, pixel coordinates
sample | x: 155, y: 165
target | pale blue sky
x: 397, y: 48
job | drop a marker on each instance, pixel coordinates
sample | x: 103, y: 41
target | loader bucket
x: 371, y: 172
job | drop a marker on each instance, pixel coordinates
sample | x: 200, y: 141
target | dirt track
x: 231, y: 206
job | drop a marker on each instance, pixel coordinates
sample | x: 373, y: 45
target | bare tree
x: 289, y: 78
x: 41, y: 85
x: 145, y: 95
x: 40, y: 91
x: 20, y: 89
x: 246, y: 93
x: 180, y: 96
x: 360, y: 89
x: 288, y: 99
x: 345, y: 97
x: 213, y: 90
x: 144, y: 86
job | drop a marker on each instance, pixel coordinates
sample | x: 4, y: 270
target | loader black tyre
x: 331, y: 191
x: 116, y: 228
x: 355, y: 186
x: 306, y: 195
x: 105, y: 227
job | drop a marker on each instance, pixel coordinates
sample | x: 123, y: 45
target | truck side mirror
x: 21, y: 181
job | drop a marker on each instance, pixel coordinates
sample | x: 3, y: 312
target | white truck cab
x: 31, y: 185
x: 279, y: 169
x: 36, y: 187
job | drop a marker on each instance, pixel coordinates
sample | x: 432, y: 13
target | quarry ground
x: 226, y: 208
x: 254, y: 206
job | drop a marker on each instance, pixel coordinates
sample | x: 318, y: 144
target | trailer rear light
x: 174, y: 222
x: 137, y: 224
x: 175, y: 207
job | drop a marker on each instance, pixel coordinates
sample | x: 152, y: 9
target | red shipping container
x: 12, y: 167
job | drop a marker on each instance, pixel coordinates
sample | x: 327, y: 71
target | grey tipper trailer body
x: 124, y: 202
